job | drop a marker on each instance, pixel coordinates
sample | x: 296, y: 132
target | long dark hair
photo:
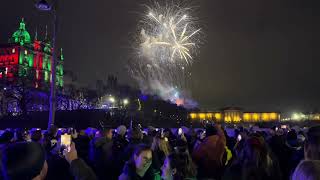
x: 312, y: 144
x: 255, y: 159
x: 182, y: 162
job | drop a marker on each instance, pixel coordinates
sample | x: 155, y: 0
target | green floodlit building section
x: 31, y: 59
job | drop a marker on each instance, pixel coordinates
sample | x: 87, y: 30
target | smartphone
x: 239, y: 137
x: 179, y: 131
x: 204, y: 133
x: 277, y: 128
x: 283, y: 126
x: 66, y: 141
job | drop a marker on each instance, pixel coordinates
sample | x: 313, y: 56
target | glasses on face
x: 147, y: 160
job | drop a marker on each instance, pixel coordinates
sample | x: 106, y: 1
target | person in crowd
x: 24, y: 161
x: 139, y: 166
x: 253, y: 162
x: 27, y: 160
x: 231, y: 139
x: 209, y: 154
x: 307, y: 170
x: 201, y: 134
x: 57, y: 163
x: 135, y: 137
x: 170, y: 136
x: 119, y: 139
x: 148, y: 138
x: 178, y: 166
x: 192, y: 138
x: 22, y: 135
x: 277, y: 141
x: 53, y: 132
x: 102, y: 154
x: 6, y: 138
x: 301, y: 137
x: 82, y: 142
x: 121, y: 130
x: 119, y: 144
x: 160, y: 149
x: 292, y: 154
x: 36, y: 136
x: 312, y: 144
x: 48, y: 143
x: 78, y: 168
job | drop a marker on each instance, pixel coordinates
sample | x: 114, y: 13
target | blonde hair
x: 161, y: 144
x: 307, y: 170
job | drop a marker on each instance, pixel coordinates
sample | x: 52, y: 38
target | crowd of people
x: 212, y: 152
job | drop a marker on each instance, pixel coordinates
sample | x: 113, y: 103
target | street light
x: 111, y: 99
x: 43, y: 5
x: 125, y: 101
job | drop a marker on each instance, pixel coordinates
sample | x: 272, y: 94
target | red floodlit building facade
x: 25, y: 73
x: 21, y: 58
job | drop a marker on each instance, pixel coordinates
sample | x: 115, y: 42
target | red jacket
x: 209, y: 156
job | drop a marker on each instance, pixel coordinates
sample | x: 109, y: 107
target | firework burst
x: 168, y: 39
x: 169, y: 34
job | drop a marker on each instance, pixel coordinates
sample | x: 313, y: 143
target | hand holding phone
x: 71, y: 154
x: 66, y: 141
x: 180, y: 131
x: 239, y: 137
x: 203, y: 135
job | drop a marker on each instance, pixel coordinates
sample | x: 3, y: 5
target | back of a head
x: 22, y: 161
x: 312, y: 145
x: 292, y: 135
x: 183, y: 165
x: 256, y: 160
x: 135, y: 135
x: 255, y: 152
x: 53, y: 130
x: 121, y: 130
x: 160, y: 143
x: 106, y: 131
x: 211, y: 130
x: 36, y: 135
x: 19, y: 135
x: 307, y: 170
x: 292, y: 138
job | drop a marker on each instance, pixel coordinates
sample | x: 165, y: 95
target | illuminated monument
x: 23, y: 58
x: 25, y: 73
x: 235, y: 115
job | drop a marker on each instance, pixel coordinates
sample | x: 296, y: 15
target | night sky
x: 259, y: 55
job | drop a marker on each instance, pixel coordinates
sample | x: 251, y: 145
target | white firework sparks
x: 166, y: 44
x: 170, y: 33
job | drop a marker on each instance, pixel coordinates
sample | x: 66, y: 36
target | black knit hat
x: 23, y: 160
